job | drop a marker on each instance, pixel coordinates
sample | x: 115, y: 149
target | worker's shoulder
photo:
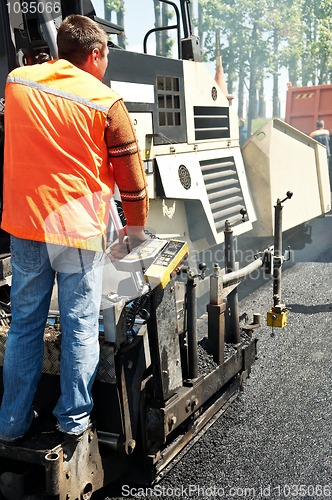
x: 61, y: 76
x: 319, y: 132
x: 21, y: 72
x: 90, y: 87
x: 79, y: 82
x: 108, y: 91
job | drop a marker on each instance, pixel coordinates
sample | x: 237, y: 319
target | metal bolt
x: 216, y: 269
x: 131, y: 445
x: 188, y: 406
x: 172, y: 420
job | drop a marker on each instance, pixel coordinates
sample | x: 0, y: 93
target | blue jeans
x: 79, y: 296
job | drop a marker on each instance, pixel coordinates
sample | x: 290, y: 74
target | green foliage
x: 259, y: 38
x: 168, y: 45
x: 113, y: 5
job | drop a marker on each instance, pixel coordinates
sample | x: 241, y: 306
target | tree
x: 158, y: 24
x: 120, y: 22
x: 322, y: 47
x: 241, y: 23
x: 167, y: 41
x: 112, y: 5
x: 253, y: 80
x: 200, y: 25
x: 259, y: 38
x: 292, y: 49
x: 118, y: 7
x: 164, y: 42
x: 277, y: 15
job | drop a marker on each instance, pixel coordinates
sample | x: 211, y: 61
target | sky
x: 139, y: 18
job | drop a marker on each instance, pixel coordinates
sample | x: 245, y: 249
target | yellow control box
x: 277, y: 319
x: 162, y: 269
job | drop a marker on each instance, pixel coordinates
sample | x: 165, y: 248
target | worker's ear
x: 92, y: 60
x: 91, y: 64
x: 95, y: 56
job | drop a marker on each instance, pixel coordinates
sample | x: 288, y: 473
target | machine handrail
x: 165, y: 28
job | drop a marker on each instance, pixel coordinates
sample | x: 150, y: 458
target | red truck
x: 306, y: 105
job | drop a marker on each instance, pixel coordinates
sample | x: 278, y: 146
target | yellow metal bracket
x: 277, y: 317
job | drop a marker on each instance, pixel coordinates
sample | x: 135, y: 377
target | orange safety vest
x: 57, y: 177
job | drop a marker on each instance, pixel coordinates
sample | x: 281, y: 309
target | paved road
x: 275, y: 440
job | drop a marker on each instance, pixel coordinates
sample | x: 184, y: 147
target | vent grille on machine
x: 223, y: 190
x: 211, y: 123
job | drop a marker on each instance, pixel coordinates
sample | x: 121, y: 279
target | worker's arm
x: 127, y: 166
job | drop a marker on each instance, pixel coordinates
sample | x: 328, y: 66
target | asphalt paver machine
x: 163, y: 374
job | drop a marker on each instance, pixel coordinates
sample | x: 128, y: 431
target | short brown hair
x: 78, y: 36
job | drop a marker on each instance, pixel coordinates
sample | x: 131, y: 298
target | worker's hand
x: 135, y: 235
x: 136, y: 232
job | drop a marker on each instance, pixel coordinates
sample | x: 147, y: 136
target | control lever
x: 243, y: 212
x: 186, y: 270
x: 289, y: 194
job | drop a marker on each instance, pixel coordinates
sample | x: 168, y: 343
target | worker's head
x: 242, y: 122
x: 320, y: 123
x: 83, y: 42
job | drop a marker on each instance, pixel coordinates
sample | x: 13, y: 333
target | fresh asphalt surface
x: 275, y: 440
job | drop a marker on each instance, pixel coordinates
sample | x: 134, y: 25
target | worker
x: 68, y: 137
x: 243, y: 132
x: 322, y: 135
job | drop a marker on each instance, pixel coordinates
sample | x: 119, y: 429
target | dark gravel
x: 274, y: 441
